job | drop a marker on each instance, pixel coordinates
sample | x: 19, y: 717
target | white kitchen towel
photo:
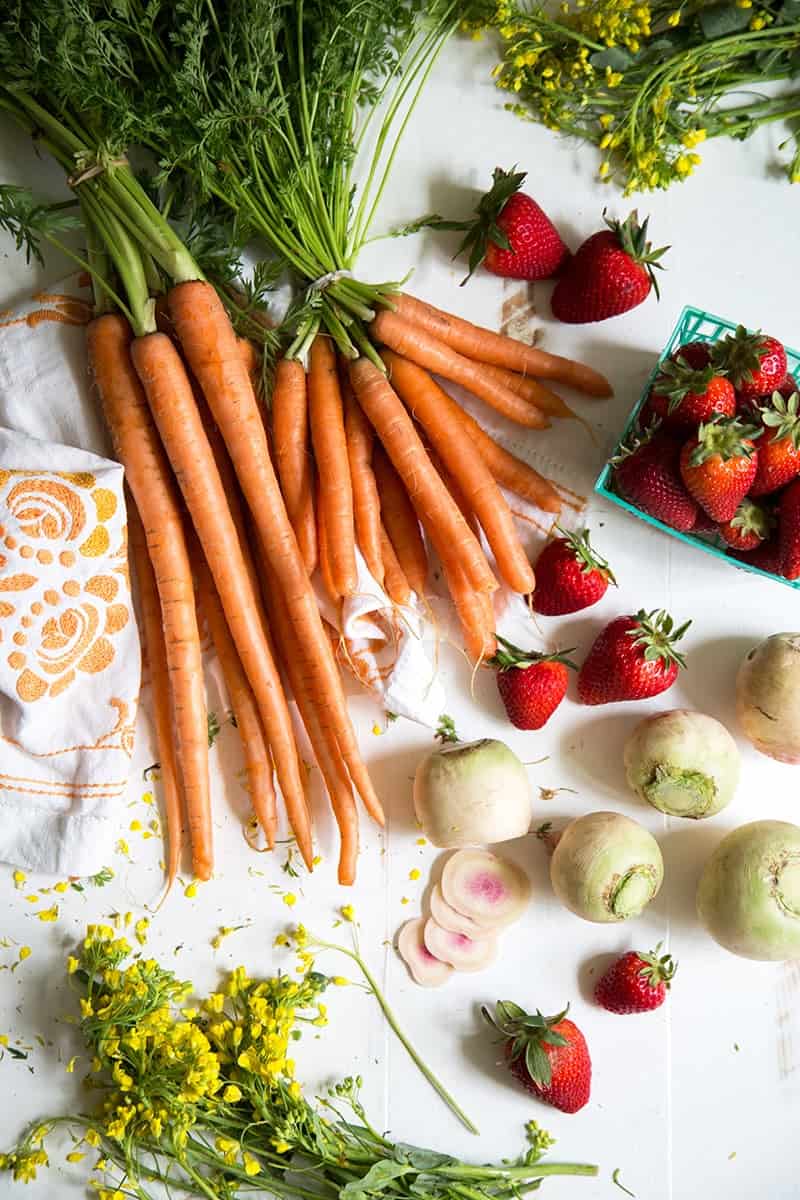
x: 69, y: 647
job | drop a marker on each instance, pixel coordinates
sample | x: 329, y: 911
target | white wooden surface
x: 699, y: 1099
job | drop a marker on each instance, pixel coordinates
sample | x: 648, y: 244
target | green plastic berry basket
x: 694, y: 325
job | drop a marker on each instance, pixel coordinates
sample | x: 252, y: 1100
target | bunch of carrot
x: 395, y: 455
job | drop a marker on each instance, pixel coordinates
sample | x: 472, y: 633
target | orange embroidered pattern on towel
x: 62, y: 553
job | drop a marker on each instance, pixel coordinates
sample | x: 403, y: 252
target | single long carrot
x: 501, y: 351
x: 324, y: 557
x: 332, y: 768
x: 366, y: 501
x: 293, y: 461
x: 147, y: 470
x: 400, y: 525
x: 152, y: 631
x: 335, y: 496
x: 171, y: 400
x: 509, y: 471
x: 475, y: 614
x: 449, y: 532
x: 209, y: 343
x: 257, y: 760
x: 530, y: 389
x: 395, y: 583
x: 455, y: 448
x: 423, y: 348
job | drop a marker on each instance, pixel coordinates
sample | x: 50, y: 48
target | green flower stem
x: 383, y: 1004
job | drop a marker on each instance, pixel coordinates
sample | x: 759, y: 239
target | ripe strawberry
x: 748, y: 528
x: 767, y: 556
x: 789, y: 531
x: 684, y: 398
x: 779, y: 448
x: 753, y: 404
x: 512, y: 236
x: 754, y: 362
x: 610, y: 273
x: 704, y: 524
x: 696, y: 354
x: 788, y: 387
x: 548, y: 1055
x: 531, y: 685
x: 636, y: 982
x: 570, y: 575
x: 646, y: 475
x: 634, y: 657
x: 719, y: 464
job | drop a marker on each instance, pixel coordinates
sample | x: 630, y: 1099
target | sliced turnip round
x: 452, y: 920
x: 462, y: 952
x: 424, y: 967
x: 490, y: 890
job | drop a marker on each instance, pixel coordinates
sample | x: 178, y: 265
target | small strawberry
x: 512, y: 236
x: 767, y: 557
x: 548, y: 1055
x: 684, y: 398
x: 636, y: 982
x: 646, y: 475
x: 570, y: 575
x: 789, y: 531
x: 610, y: 273
x: 752, y: 405
x: 754, y: 362
x: 531, y: 685
x: 719, y: 464
x: 779, y: 448
x: 634, y: 657
x: 788, y: 387
x: 704, y: 524
x: 748, y: 528
x: 696, y: 354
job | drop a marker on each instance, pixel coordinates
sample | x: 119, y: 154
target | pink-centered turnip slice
x: 424, y: 968
x: 452, y: 920
x: 462, y: 952
x: 492, y: 891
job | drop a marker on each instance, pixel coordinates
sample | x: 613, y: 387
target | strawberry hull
x: 693, y: 326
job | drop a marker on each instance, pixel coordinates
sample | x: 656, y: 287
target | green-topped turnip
x: 472, y: 794
x: 685, y: 764
x: 606, y: 867
x: 768, y: 697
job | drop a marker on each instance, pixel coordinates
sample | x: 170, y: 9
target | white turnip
x: 683, y: 763
x: 606, y: 867
x: 472, y: 794
x: 748, y: 897
x: 768, y: 697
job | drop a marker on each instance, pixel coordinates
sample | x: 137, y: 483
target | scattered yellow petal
x: 348, y: 912
x: 61, y: 887
x: 70, y: 1067
x: 122, y: 847
x: 190, y: 891
x: 316, y: 860
x: 72, y: 965
x: 32, y: 899
x: 290, y: 899
x: 404, y: 900
x: 414, y: 873
x: 19, y: 878
x: 92, y: 1138
x: 340, y: 981
x: 135, y: 826
x: 155, y: 826
x: 75, y: 1156
x: 3, y: 1039
x: 422, y: 841
x: 377, y: 730
x: 24, y: 952
x: 140, y: 928
x: 48, y: 914
x: 147, y: 798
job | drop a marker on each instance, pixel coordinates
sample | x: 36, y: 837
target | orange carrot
x: 461, y: 459
x: 169, y: 394
x: 475, y: 614
x: 209, y: 344
x: 257, y: 761
x: 332, y: 769
x: 250, y: 357
x: 395, y: 583
x: 414, y: 342
x: 495, y: 348
x: 366, y: 502
x: 449, y: 532
x: 400, y: 524
x: 150, y: 480
x: 325, y: 561
x: 293, y: 454
x: 152, y: 631
x: 530, y: 389
x: 335, y: 495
